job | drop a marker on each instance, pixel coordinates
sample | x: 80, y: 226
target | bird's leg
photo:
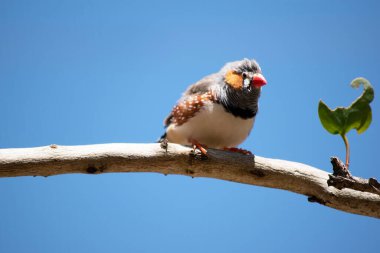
x: 238, y: 150
x: 164, y: 144
x: 197, y: 145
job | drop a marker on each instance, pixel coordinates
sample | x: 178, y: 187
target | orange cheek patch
x: 233, y: 79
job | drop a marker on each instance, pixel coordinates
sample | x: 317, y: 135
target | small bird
x: 219, y: 110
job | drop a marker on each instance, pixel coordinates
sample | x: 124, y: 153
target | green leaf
x: 356, y: 116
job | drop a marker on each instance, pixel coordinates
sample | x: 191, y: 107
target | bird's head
x: 243, y: 75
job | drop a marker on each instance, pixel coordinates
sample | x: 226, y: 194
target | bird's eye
x: 246, y: 80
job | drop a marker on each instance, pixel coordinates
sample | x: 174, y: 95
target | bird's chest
x: 214, y: 127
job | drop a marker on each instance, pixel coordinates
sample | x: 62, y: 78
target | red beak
x: 258, y: 80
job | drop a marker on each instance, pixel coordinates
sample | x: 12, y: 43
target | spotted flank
x: 186, y: 109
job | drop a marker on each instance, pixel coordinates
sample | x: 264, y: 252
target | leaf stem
x: 347, y: 150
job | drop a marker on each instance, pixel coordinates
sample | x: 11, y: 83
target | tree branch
x: 104, y: 158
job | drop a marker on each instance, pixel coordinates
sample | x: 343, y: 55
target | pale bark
x: 105, y: 158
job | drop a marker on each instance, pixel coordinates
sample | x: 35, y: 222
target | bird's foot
x: 238, y: 150
x: 197, y: 146
x: 164, y: 144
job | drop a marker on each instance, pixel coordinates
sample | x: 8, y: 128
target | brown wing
x: 191, y: 101
x: 202, y: 86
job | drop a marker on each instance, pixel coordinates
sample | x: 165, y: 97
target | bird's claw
x: 164, y: 144
x: 238, y: 150
x: 198, y: 151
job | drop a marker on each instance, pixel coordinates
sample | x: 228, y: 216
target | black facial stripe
x: 241, y: 103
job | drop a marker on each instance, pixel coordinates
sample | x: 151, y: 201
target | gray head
x: 245, y: 65
x: 242, y: 86
x: 244, y: 74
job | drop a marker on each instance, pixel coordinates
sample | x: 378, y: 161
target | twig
x: 342, y: 178
x: 254, y: 170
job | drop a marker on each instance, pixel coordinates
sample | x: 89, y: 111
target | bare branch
x: 104, y: 158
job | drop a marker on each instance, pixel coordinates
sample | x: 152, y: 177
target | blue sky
x: 86, y: 72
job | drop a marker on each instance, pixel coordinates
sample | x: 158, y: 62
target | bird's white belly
x: 212, y: 126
